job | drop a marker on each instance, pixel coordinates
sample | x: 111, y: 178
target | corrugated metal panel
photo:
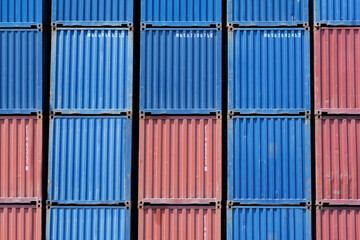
x: 72, y: 223
x: 269, y: 71
x: 21, y: 71
x: 280, y: 223
x: 92, y: 70
x: 337, y: 147
x: 89, y: 160
x: 20, y: 13
x: 268, y: 13
x: 180, y: 160
x: 20, y: 159
x: 337, y: 12
x: 92, y: 12
x: 178, y: 223
x: 20, y: 222
x: 180, y: 71
x: 181, y: 13
x: 269, y: 160
x: 337, y: 62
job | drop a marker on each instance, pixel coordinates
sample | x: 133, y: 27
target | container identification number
x: 194, y: 35
x: 282, y: 35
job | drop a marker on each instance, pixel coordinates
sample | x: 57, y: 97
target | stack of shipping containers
x: 269, y: 142
x: 20, y: 119
x: 180, y: 120
x: 89, y: 173
x: 337, y: 124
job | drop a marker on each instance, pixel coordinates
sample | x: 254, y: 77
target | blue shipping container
x: 280, y: 223
x: 89, y: 160
x: 92, y: 12
x: 20, y: 13
x: 20, y: 71
x: 181, y: 13
x: 73, y: 223
x: 269, y: 160
x: 91, y: 71
x: 268, y: 13
x: 269, y: 71
x: 180, y: 71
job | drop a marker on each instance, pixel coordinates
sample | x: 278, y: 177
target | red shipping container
x: 179, y: 223
x: 337, y: 65
x: 20, y: 222
x: 20, y: 159
x: 180, y: 160
x: 337, y: 147
x: 338, y: 223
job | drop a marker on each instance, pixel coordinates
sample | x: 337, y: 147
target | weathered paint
x: 269, y: 70
x: 180, y: 70
x: 20, y: 159
x: 89, y: 160
x: 91, y: 70
x: 269, y: 160
x: 20, y: 13
x: 337, y: 62
x: 180, y: 160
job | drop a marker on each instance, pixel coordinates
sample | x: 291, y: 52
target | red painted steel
x: 337, y: 70
x: 337, y: 147
x: 20, y: 159
x: 179, y: 223
x: 338, y: 223
x: 180, y: 160
x: 20, y: 222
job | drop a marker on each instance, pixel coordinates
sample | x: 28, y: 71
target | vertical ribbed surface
x: 269, y: 71
x: 89, y: 160
x: 337, y: 70
x: 180, y: 71
x: 92, y: 71
x: 269, y: 160
x: 180, y: 160
x: 337, y: 12
x: 20, y: 159
x: 20, y: 13
x: 73, y: 223
x: 20, y: 71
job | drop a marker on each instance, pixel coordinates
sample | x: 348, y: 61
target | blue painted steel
x: 73, y: 223
x: 269, y: 160
x: 269, y: 71
x: 91, y: 71
x: 337, y: 12
x: 20, y: 13
x: 280, y: 223
x: 89, y: 160
x: 180, y: 71
x: 20, y: 71
x: 268, y: 13
x: 181, y: 13
x: 92, y: 12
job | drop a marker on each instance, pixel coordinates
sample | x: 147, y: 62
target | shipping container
x: 335, y: 223
x: 269, y: 160
x: 180, y: 160
x: 20, y: 13
x: 337, y: 145
x: 91, y: 70
x: 180, y: 70
x: 178, y: 223
x: 89, y: 160
x: 181, y: 13
x: 268, y: 13
x: 269, y: 70
x: 337, y: 61
x: 20, y: 71
x: 20, y: 159
x: 259, y: 222
x: 92, y: 12
x: 87, y: 222
x: 20, y: 222
x: 337, y: 12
